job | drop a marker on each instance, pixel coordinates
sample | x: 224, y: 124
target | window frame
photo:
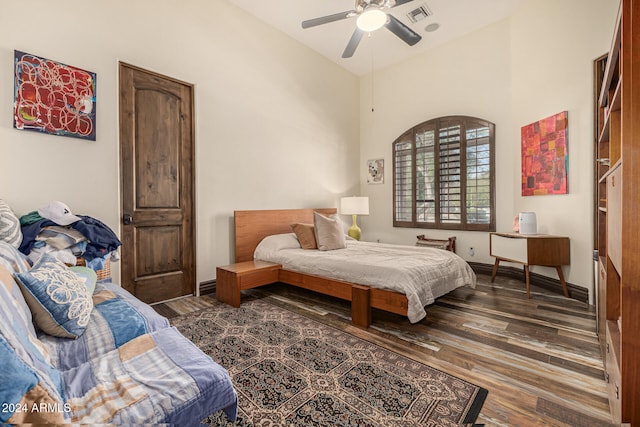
x: 437, y: 125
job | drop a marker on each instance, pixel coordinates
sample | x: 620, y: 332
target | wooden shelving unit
x: 616, y: 213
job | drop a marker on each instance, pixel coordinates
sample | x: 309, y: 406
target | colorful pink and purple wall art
x: 545, y: 156
x: 53, y: 98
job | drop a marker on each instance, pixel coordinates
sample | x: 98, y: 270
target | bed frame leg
x: 360, y: 306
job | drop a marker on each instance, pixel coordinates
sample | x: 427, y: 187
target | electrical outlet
x: 471, y: 251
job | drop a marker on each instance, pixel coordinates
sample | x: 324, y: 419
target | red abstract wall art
x: 53, y: 98
x: 545, y: 156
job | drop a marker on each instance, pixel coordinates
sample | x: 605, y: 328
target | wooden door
x: 157, y: 185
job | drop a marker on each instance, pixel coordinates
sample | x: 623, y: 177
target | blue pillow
x: 88, y: 276
x: 59, y: 300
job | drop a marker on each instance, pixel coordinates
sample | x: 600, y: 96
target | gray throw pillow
x: 329, y: 232
x: 10, y: 230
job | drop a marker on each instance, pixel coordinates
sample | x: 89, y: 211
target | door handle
x: 127, y: 219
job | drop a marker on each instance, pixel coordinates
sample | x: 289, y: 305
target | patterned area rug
x: 294, y: 371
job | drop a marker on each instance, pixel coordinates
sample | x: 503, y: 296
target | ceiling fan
x: 371, y: 15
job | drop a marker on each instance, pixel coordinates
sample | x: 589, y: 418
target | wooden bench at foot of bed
x: 233, y: 278
x: 363, y: 298
x: 252, y: 226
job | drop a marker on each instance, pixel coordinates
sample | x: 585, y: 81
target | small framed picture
x: 375, y: 171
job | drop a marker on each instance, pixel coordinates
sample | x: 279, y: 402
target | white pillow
x: 329, y: 232
x: 270, y: 245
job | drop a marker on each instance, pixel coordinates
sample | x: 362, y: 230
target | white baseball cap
x: 58, y: 212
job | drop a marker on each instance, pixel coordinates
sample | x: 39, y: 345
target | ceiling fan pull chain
x: 372, y: 72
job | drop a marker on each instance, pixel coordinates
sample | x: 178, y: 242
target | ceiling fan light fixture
x: 371, y: 19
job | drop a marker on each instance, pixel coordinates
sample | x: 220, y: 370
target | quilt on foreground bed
x: 422, y: 274
x: 129, y: 367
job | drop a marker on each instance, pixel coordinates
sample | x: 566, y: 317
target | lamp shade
x: 354, y: 206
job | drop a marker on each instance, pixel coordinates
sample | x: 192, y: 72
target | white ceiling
x: 381, y: 48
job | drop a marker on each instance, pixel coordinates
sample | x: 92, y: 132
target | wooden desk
x: 530, y: 249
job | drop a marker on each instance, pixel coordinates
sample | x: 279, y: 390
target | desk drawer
x: 509, y: 248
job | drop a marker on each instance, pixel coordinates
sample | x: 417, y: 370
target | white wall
x: 535, y: 64
x: 470, y: 76
x: 276, y: 123
x: 553, y: 46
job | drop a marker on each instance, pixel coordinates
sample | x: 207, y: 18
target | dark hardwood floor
x: 539, y: 358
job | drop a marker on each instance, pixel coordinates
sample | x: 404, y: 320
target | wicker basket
x: 103, y: 274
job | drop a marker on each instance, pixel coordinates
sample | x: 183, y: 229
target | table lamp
x: 354, y: 206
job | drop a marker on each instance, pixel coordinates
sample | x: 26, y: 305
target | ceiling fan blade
x: 353, y: 43
x: 409, y: 36
x: 327, y: 19
x: 401, y: 2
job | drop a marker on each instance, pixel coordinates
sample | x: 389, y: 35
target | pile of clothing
x: 53, y: 229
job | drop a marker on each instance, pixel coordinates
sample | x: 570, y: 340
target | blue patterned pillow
x: 87, y: 275
x: 59, y: 300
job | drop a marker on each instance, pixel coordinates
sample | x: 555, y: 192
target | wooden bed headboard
x: 250, y: 227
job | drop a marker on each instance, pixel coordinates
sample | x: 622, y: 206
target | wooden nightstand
x: 232, y: 278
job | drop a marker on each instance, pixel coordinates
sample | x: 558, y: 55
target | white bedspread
x: 421, y: 273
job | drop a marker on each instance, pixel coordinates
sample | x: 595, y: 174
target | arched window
x: 443, y: 175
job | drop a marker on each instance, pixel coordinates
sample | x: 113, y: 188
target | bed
x: 375, y: 283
